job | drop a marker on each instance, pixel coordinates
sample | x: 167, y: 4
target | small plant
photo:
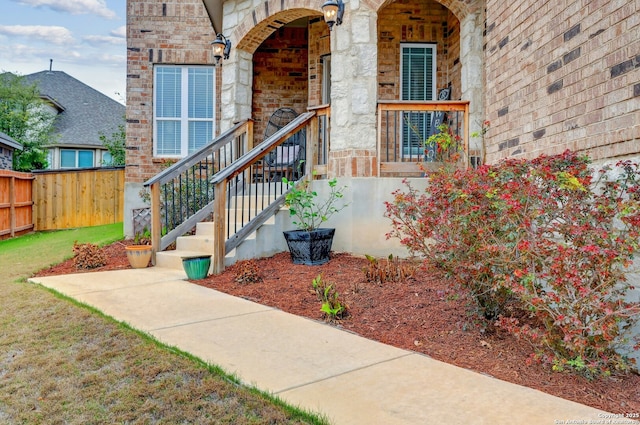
x: 446, y: 144
x: 332, y: 307
x: 142, y: 238
x: 88, y: 256
x: 248, y: 272
x: 310, y: 212
x: 392, y: 269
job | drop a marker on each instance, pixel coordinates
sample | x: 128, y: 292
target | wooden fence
x: 16, y: 215
x: 66, y: 199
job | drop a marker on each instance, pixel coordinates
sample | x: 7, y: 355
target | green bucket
x: 196, y: 267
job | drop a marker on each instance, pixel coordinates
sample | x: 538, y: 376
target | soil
x: 420, y: 313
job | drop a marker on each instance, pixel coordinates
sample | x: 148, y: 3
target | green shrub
x: 542, y: 245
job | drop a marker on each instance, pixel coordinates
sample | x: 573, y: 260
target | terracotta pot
x: 139, y: 255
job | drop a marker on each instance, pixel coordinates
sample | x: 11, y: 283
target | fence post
x: 12, y: 206
x: 466, y: 136
x: 312, y: 139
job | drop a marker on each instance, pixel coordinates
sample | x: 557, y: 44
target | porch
x: 231, y: 183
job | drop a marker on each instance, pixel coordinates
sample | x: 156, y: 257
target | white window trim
x: 184, y: 114
x: 434, y: 67
x: 326, y: 79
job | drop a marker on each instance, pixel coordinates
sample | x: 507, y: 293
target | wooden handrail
x: 188, y: 161
x: 159, y: 242
x: 261, y: 150
x: 221, y: 180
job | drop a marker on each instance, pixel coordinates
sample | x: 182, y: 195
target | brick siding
x: 279, y: 76
x: 562, y: 75
x: 172, y: 32
x: 424, y: 22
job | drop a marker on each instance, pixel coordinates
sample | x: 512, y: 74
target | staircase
x: 267, y: 240
x: 237, y: 186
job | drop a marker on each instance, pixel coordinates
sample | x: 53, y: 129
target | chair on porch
x: 287, y: 159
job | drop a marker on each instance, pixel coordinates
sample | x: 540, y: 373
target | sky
x: 85, y: 38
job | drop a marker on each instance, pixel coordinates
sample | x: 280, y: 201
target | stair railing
x: 252, y: 189
x: 182, y: 195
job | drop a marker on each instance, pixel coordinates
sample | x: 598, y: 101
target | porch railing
x: 319, y: 130
x: 404, y: 127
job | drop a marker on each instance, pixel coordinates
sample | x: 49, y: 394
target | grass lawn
x: 65, y: 363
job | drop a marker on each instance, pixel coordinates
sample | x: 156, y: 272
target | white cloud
x: 104, y: 39
x: 119, y: 32
x: 51, y: 34
x: 75, y: 7
x: 113, y: 60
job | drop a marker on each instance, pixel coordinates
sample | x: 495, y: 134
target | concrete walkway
x: 350, y: 379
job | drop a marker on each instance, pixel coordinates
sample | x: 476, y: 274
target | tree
x: 26, y: 118
x: 115, y: 145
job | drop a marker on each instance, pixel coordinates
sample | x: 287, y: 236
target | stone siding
x: 562, y: 75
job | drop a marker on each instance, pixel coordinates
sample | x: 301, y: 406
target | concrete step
x: 266, y: 241
x: 195, y: 243
x: 173, y: 259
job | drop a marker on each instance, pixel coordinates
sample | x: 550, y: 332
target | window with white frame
x: 184, y: 112
x: 417, y: 82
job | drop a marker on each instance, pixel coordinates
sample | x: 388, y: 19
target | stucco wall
x: 361, y: 227
x: 562, y: 75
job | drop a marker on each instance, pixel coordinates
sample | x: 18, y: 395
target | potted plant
x: 196, y: 267
x: 310, y: 244
x: 139, y: 254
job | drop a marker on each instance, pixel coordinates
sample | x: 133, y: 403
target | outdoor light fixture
x: 221, y: 48
x: 333, y: 11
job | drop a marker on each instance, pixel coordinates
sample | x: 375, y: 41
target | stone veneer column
x: 471, y: 58
x: 353, y: 93
x: 237, y: 71
x: 235, y: 96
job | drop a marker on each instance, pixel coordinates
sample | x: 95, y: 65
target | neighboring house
x: 7, y: 146
x: 83, y: 114
x: 549, y: 77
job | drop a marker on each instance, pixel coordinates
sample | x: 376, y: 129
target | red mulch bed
x: 421, y: 314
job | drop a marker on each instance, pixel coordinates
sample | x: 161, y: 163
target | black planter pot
x: 309, y: 248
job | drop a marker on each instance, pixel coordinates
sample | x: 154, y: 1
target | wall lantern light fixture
x: 221, y: 47
x: 333, y: 11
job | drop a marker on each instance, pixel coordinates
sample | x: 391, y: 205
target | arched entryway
x: 277, y: 63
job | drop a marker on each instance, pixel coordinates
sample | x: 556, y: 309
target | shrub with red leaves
x: 543, y: 246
